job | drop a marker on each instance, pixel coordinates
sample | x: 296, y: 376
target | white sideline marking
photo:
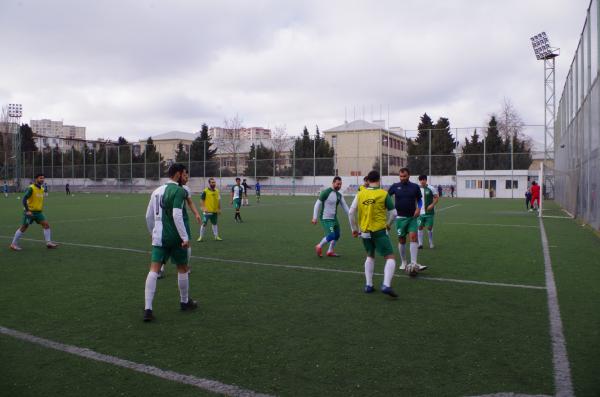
x: 562, y: 371
x: 512, y: 395
x: 298, y: 267
x: 201, y: 383
x: 487, y: 224
x: 557, y: 217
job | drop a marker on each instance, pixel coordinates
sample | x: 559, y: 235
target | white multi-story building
x: 50, y: 133
x: 251, y: 133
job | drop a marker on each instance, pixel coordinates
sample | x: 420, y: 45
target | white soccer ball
x: 107, y: 196
x: 412, y: 269
x: 18, y: 198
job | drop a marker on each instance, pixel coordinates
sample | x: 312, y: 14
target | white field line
x: 447, y: 208
x: 489, y: 224
x: 204, y: 384
x: 556, y: 217
x: 562, y: 372
x: 297, y: 267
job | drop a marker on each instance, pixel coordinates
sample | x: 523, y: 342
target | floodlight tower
x: 543, y: 51
x: 15, y: 112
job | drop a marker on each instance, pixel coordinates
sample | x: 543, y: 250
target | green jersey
x: 164, y: 216
x: 327, y: 204
x: 428, y: 195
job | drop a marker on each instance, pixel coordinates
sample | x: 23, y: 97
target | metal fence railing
x: 577, y: 128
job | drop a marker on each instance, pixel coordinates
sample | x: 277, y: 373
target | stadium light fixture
x: 542, y: 48
x: 15, y: 110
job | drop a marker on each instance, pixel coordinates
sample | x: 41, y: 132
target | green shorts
x: 330, y: 225
x: 36, y: 216
x: 379, y: 242
x: 237, y: 203
x: 178, y: 255
x: 425, y: 221
x: 211, y: 216
x: 406, y: 225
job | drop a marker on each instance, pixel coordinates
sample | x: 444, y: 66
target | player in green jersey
x: 170, y: 238
x: 325, y: 210
x: 425, y: 219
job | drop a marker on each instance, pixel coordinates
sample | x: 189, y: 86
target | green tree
x: 181, y: 154
x: 472, y: 154
x: 154, y: 160
x: 418, y: 148
x: 264, y: 161
x: 443, y: 161
x: 495, y: 148
x: 201, y: 151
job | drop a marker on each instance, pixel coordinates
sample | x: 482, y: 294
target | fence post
x: 131, y: 168
x: 95, y: 165
x: 430, y: 173
x: 118, y: 164
x: 484, y: 156
x: 204, y: 165
x: 106, y: 162
x: 315, y: 161
x: 62, y: 166
x: 294, y: 171
x: 84, y: 156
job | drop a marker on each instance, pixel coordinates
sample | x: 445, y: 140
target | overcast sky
x: 139, y: 68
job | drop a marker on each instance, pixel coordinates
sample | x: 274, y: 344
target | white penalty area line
x: 562, y: 371
x: 298, y: 267
x: 201, y: 383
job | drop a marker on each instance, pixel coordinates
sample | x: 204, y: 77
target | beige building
x: 359, y: 145
x: 166, y: 144
x: 50, y: 133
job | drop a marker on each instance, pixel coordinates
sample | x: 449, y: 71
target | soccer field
x: 276, y: 319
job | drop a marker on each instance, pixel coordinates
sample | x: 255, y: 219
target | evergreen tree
x: 264, y: 161
x: 201, y: 152
x: 443, y: 161
x: 495, y: 148
x: 472, y: 154
x: 154, y: 160
x: 181, y: 154
x: 418, y: 148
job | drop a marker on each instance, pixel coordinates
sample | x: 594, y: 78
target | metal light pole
x: 15, y: 112
x: 543, y: 51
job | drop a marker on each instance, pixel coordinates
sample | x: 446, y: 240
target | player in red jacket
x: 535, y: 195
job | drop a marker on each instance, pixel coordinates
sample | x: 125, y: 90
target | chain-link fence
x: 577, y: 128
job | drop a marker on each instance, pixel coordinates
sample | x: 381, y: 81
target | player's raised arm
x: 150, y: 215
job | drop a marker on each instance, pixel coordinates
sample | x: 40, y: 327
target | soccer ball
x: 412, y: 269
x: 107, y: 196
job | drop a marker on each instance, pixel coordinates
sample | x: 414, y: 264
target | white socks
x: 18, y: 235
x: 215, y: 229
x: 323, y: 242
x: 414, y: 250
x: 331, y: 246
x: 202, y: 230
x: 150, y: 289
x: 184, y: 284
x: 369, y: 270
x: 388, y: 272
x: 402, y: 249
x: 47, y: 235
x: 430, y: 233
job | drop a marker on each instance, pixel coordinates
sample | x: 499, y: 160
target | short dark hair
x: 365, y: 179
x: 534, y: 183
x: 337, y: 178
x: 373, y: 176
x: 237, y: 179
x: 422, y: 177
x: 38, y: 175
x: 175, y: 168
x: 404, y: 169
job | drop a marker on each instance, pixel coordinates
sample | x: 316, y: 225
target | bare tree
x: 282, y: 143
x: 510, y: 123
x: 231, y: 141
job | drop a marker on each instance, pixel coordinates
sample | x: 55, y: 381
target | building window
x: 515, y: 184
x: 333, y: 140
